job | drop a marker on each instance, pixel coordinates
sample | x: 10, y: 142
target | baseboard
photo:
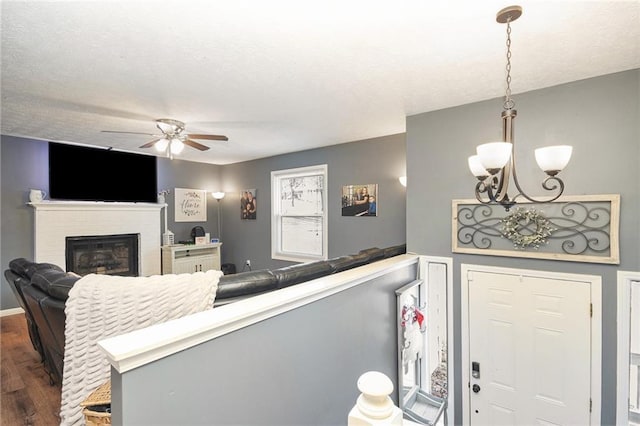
x: 12, y: 311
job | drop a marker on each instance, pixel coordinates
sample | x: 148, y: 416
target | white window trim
x: 276, y: 241
x: 625, y: 278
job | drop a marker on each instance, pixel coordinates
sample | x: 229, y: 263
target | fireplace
x: 103, y: 254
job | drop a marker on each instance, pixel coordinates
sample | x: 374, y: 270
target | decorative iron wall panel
x: 574, y: 228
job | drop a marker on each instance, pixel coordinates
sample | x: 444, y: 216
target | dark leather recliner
x: 41, y: 290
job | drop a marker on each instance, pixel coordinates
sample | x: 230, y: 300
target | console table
x: 188, y: 258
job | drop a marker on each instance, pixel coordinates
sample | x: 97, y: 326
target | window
x: 299, y: 214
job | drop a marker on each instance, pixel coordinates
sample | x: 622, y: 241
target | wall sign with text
x: 191, y: 205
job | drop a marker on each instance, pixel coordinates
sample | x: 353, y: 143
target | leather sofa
x: 43, y: 288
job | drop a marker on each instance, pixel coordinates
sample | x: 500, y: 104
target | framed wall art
x: 573, y: 228
x: 248, y: 204
x: 360, y: 200
x: 191, y: 205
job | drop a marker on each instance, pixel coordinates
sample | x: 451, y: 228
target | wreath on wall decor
x: 521, y: 220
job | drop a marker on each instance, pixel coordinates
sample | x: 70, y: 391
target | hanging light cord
x: 508, y: 102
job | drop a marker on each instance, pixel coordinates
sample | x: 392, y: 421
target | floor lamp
x: 219, y: 196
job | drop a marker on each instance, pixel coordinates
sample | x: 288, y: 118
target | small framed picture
x: 360, y: 200
x: 248, y: 204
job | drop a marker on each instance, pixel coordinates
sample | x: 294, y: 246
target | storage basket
x: 97, y: 406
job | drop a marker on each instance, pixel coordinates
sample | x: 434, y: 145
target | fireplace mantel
x: 56, y: 220
x: 94, y: 205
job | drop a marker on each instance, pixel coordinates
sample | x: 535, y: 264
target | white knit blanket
x: 101, y: 306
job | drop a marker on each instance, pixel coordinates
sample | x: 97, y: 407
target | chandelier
x: 494, y: 164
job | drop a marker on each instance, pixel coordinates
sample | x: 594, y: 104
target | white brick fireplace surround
x: 56, y: 220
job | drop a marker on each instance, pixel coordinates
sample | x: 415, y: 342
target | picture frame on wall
x: 248, y: 204
x: 190, y: 205
x: 360, y: 200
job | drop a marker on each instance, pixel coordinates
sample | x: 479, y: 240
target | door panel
x: 531, y: 338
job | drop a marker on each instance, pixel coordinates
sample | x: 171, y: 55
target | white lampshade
x: 403, y: 180
x: 176, y: 146
x: 552, y: 159
x: 161, y: 145
x: 218, y: 195
x: 476, y: 167
x: 494, y: 155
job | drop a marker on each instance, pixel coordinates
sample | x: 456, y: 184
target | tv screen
x: 94, y: 174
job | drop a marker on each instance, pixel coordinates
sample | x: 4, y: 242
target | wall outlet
x: 247, y: 263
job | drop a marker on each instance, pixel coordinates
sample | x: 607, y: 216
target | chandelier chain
x: 508, y: 102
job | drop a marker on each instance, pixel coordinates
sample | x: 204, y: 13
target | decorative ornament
x: 525, y: 220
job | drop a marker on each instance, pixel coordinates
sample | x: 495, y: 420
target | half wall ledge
x: 140, y: 347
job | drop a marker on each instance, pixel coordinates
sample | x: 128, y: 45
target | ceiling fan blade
x: 150, y: 144
x: 209, y: 137
x: 131, y: 133
x: 196, y: 145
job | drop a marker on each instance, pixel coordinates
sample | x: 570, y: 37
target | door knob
x: 476, y: 388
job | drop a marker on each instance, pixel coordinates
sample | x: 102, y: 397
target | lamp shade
x: 552, y: 159
x: 494, y: 155
x: 218, y: 195
x: 476, y: 167
x: 403, y: 180
x: 161, y: 145
x: 176, y: 146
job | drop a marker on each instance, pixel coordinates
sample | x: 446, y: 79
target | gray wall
x: 380, y: 160
x: 297, y: 368
x: 600, y: 117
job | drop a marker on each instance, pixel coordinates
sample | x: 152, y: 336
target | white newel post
x: 373, y: 406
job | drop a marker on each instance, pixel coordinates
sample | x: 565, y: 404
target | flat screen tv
x: 93, y: 174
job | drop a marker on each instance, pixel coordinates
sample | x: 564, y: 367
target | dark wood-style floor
x: 27, y: 396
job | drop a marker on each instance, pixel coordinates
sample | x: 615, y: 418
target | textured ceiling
x: 281, y: 76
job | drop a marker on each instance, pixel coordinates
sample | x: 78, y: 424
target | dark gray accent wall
x: 25, y: 165
x: 600, y: 117
x: 298, y: 368
x: 379, y: 160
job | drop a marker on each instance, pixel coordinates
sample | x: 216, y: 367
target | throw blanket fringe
x: 101, y: 306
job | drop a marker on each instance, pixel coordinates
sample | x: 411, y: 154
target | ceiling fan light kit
x: 172, y: 141
x: 494, y: 163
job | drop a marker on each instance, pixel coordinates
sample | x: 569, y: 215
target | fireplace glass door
x: 103, y: 254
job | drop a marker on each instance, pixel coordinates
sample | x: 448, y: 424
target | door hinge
x: 590, y: 404
x: 591, y: 310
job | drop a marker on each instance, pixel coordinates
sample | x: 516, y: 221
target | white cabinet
x: 188, y: 258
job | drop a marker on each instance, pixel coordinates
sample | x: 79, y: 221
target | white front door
x: 529, y: 350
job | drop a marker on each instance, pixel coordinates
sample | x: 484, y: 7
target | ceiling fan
x: 172, y: 140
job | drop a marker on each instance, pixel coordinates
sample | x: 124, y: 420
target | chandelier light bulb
x: 494, y: 155
x: 552, y: 159
x: 476, y: 168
